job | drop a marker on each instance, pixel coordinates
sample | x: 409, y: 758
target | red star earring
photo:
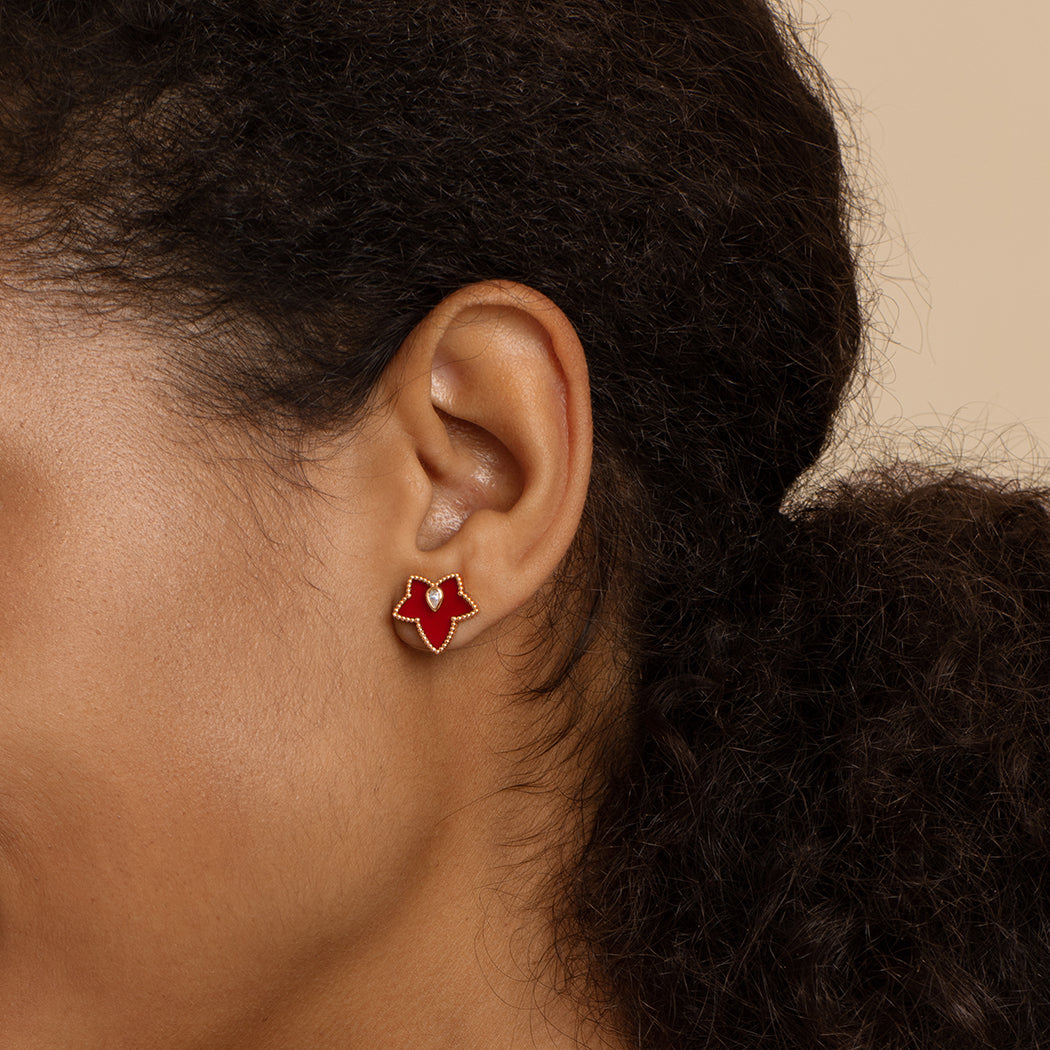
x: 435, y: 608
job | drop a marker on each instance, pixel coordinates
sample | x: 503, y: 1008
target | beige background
x: 950, y: 103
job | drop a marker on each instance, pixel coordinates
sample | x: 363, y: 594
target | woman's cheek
x: 133, y: 814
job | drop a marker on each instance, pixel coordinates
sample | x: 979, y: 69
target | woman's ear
x: 491, y: 397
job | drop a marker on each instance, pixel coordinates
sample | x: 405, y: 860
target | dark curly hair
x: 826, y: 821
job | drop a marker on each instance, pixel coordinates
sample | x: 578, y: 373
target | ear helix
x: 435, y: 608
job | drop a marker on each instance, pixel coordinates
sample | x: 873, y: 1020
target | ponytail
x: 834, y: 830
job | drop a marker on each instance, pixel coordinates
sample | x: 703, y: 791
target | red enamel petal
x: 454, y: 602
x: 436, y: 626
x: 415, y: 605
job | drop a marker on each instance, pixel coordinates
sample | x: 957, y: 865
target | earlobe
x: 498, y: 409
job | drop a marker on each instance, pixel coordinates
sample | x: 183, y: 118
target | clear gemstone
x: 435, y: 597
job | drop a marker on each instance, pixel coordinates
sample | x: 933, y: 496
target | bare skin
x: 239, y: 807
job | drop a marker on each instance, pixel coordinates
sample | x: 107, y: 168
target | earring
x: 435, y: 608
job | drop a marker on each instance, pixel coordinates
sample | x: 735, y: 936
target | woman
x: 410, y: 634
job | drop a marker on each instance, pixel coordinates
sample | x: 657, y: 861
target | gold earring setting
x: 435, y: 608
